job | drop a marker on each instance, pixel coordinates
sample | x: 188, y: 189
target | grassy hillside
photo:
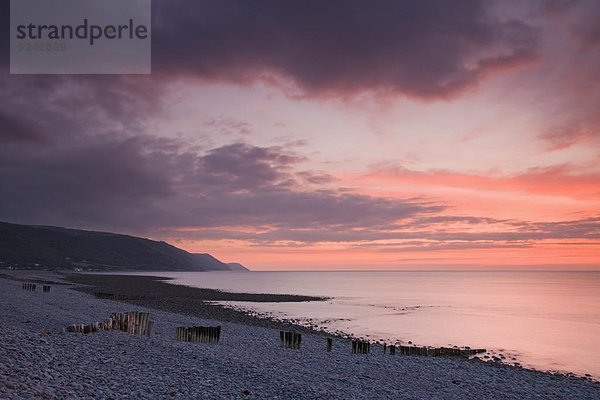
x: 54, y: 247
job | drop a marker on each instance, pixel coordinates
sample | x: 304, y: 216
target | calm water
x: 545, y: 320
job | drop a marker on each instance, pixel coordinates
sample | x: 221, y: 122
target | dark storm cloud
x: 140, y: 184
x: 74, y: 153
x: 56, y: 107
x: 423, y: 48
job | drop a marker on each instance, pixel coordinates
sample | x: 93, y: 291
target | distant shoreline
x: 154, y: 292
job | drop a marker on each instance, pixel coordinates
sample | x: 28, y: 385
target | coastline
x: 38, y: 357
x: 154, y: 292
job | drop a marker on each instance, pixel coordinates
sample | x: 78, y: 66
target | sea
x: 543, y: 320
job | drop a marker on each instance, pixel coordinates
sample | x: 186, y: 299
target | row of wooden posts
x: 139, y: 323
x: 109, y: 296
x: 290, y: 340
x: 198, y: 334
x: 32, y: 287
x: 134, y: 322
x: 293, y: 340
x: 29, y: 286
x: 360, y: 347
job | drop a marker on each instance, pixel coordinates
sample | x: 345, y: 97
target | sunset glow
x: 468, y: 141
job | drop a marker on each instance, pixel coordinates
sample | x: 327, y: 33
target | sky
x: 332, y: 135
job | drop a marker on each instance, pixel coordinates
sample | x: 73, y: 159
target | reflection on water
x: 547, y: 320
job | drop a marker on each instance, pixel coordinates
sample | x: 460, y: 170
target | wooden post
x: 138, y: 321
x: 150, y: 329
x: 133, y: 323
x: 126, y: 319
x: 146, y: 322
x: 138, y: 324
x: 143, y: 323
x: 329, y: 344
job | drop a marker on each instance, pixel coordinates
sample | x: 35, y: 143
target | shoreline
x: 154, y: 292
x: 177, y: 299
x: 41, y: 358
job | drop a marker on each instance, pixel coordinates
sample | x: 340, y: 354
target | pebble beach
x: 39, y: 359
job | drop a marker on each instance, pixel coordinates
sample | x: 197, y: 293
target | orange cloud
x: 559, y: 180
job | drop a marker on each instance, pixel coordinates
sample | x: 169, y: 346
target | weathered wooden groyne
x: 198, y: 334
x: 31, y: 287
x: 110, y: 296
x: 134, y: 323
x: 437, y: 351
x: 290, y: 340
x: 360, y: 347
x: 364, y: 347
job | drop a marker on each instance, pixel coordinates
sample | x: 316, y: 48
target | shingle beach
x: 38, y: 359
